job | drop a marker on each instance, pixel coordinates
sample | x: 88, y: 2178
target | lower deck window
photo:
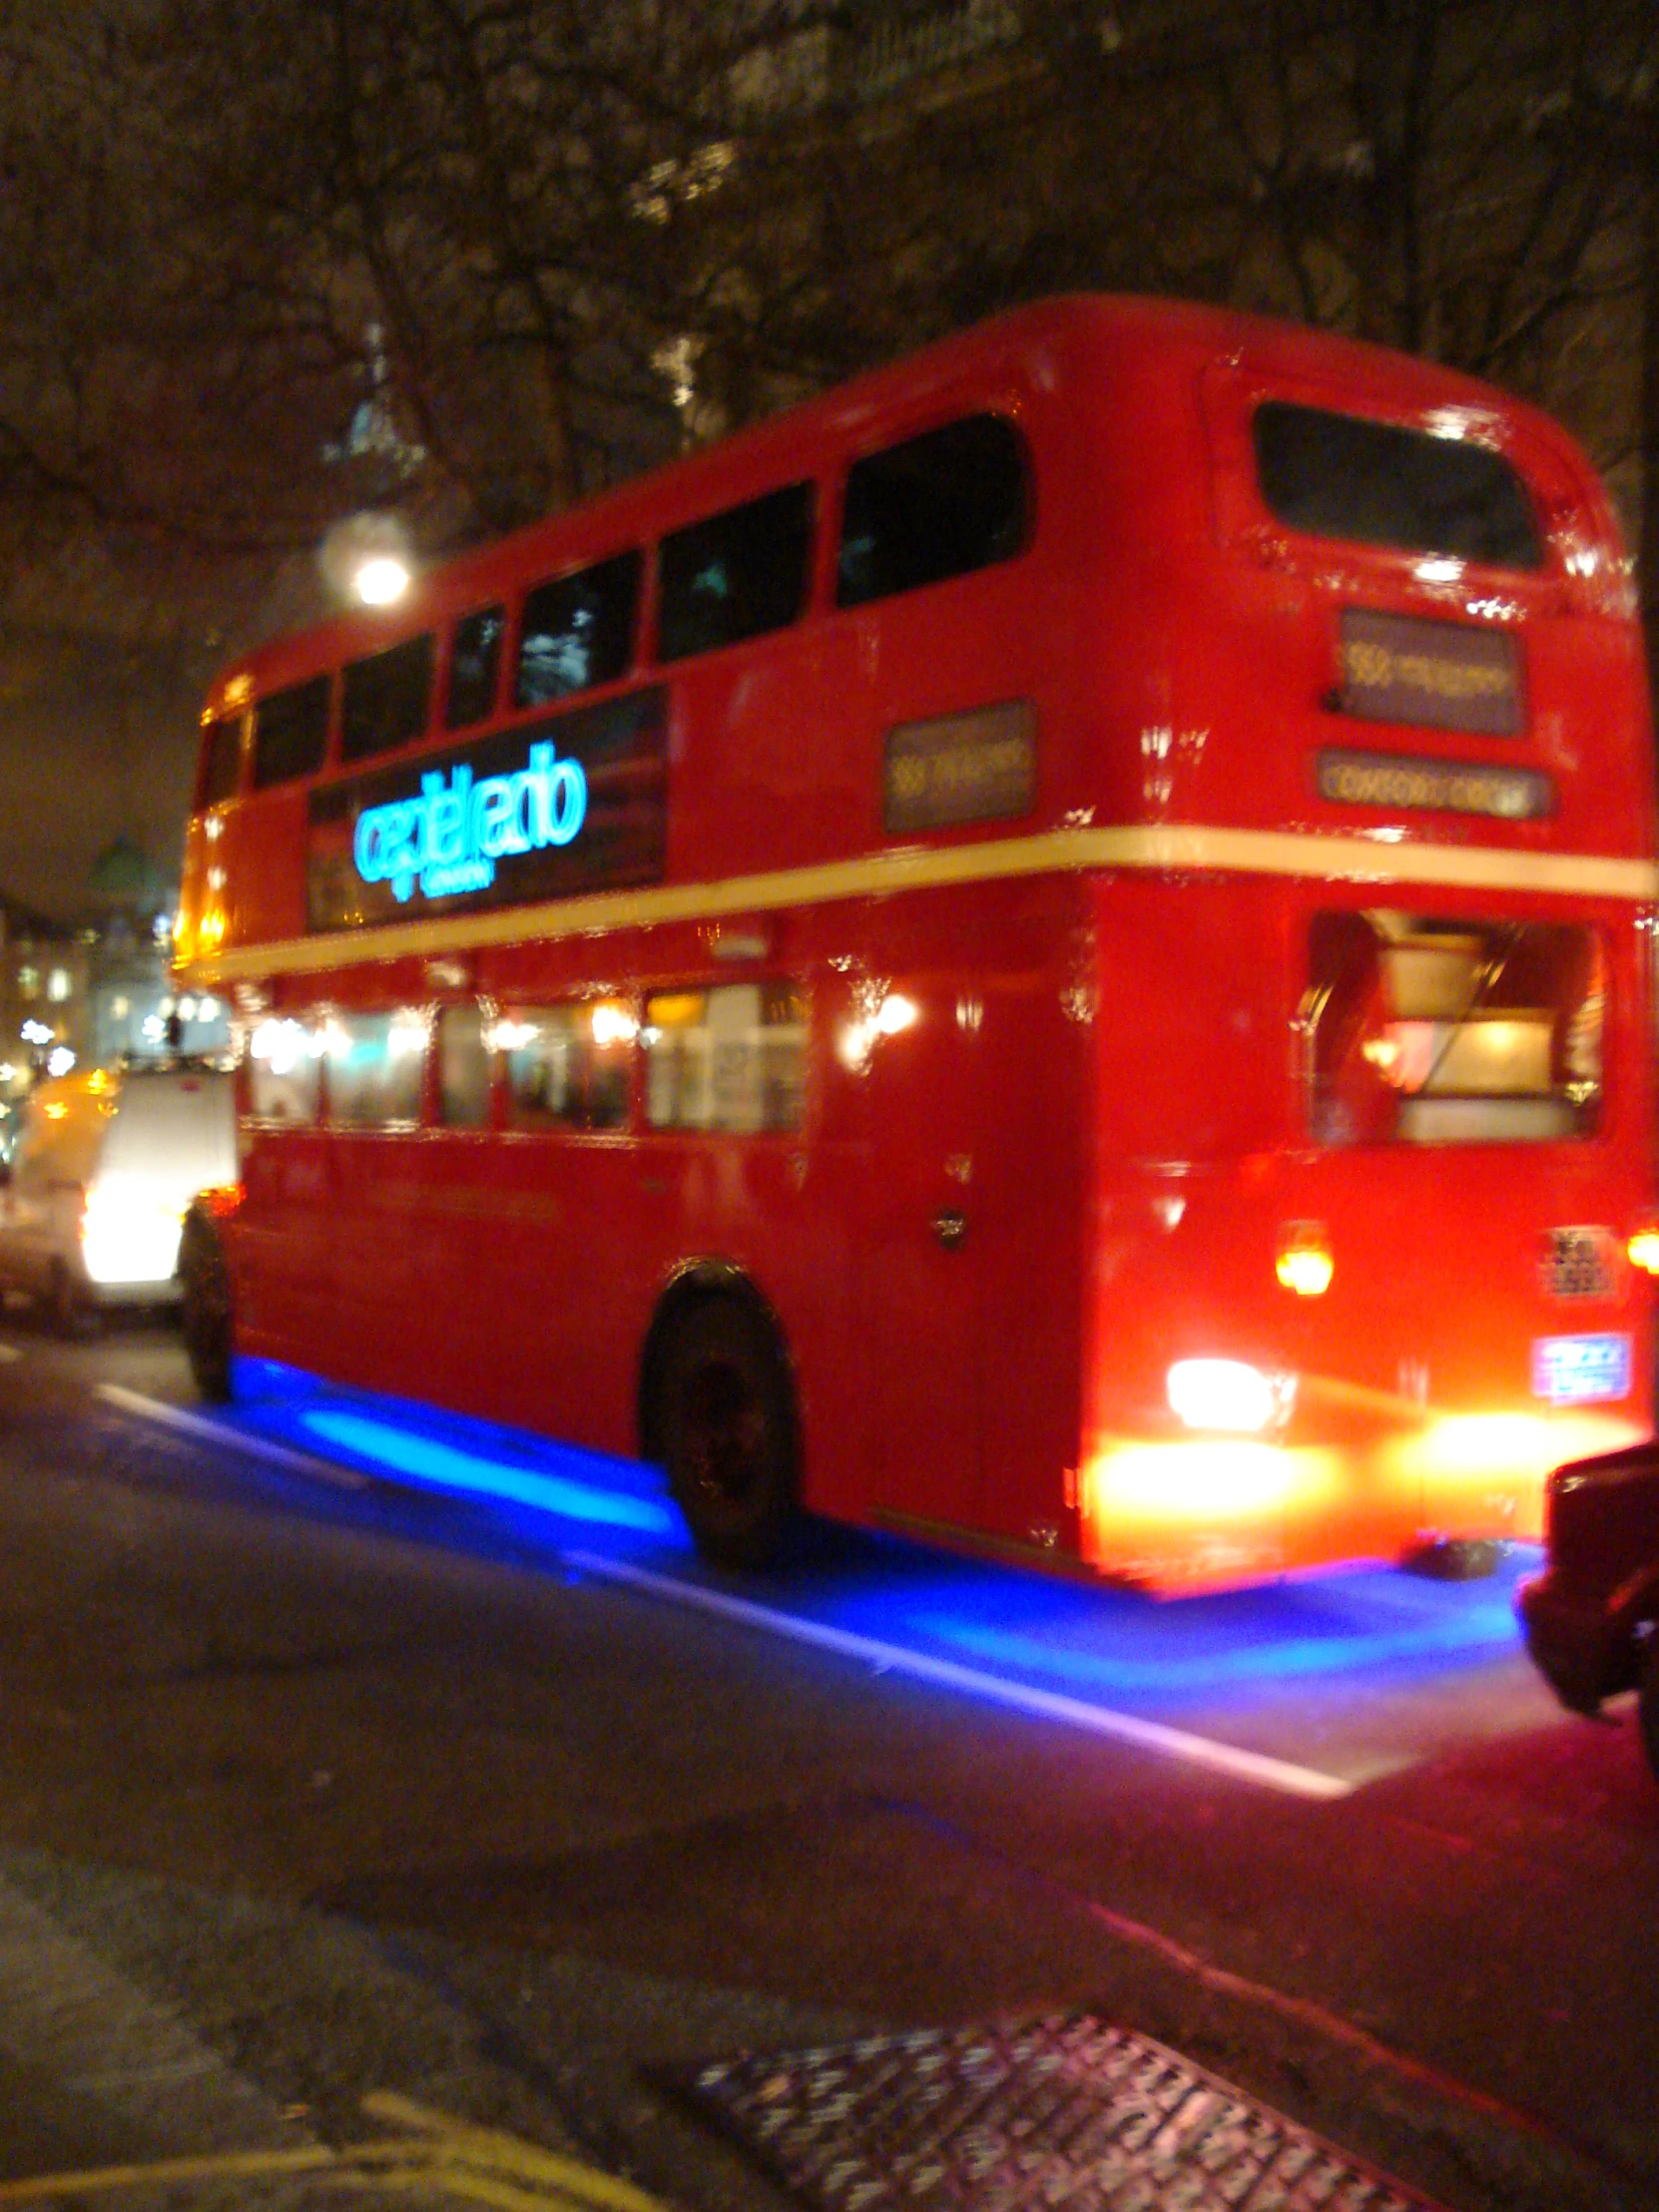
x: 285, y: 1060
x: 567, y: 1067
x: 376, y: 1063
x: 466, y: 1070
x: 731, y: 1058
x: 1435, y: 1030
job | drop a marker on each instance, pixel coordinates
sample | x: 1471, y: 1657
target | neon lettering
x: 451, y: 838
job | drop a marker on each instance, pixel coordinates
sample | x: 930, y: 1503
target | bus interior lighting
x: 613, y: 1024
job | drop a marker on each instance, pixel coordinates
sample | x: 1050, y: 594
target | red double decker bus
x: 1050, y: 950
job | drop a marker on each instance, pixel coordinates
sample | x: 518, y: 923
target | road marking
x: 237, y: 1440
x: 482, y: 2164
x: 1022, y: 1697
x: 459, y: 2143
x: 9, y: 1352
x: 881, y: 1657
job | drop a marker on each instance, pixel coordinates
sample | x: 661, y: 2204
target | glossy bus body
x: 1087, y: 897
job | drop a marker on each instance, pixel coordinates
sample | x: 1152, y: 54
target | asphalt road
x: 355, y: 1833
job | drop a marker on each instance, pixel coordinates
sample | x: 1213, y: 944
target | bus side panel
x: 970, y: 1222
x: 278, y: 1249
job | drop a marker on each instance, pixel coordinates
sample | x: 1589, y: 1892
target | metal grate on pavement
x: 1060, y: 2115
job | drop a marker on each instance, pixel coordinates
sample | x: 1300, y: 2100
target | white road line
x: 870, y: 1651
x: 237, y: 1439
x: 921, y: 1666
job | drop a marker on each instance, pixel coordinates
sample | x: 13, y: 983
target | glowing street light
x: 367, y: 557
x: 381, y: 580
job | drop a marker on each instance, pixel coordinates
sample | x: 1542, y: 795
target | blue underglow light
x: 1235, y: 1648
x: 418, y: 1458
x: 1262, y: 1653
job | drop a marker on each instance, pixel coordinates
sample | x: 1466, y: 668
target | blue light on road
x: 421, y: 1458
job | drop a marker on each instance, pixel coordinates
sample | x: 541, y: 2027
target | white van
x: 99, y: 1176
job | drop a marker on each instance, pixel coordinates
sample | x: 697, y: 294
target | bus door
x: 924, y: 1255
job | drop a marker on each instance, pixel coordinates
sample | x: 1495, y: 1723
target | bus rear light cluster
x: 1228, y: 1396
x: 1304, y: 1263
x: 1642, y: 1247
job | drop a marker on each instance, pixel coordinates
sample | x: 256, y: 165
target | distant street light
x: 381, y: 580
x: 367, y: 557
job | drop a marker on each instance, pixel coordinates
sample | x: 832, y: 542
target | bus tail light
x: 1304, y: 1263
x: 1227, y: 1395
x: 1642, y: 1246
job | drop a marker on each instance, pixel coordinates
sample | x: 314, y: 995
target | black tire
x: 1647, y: 1703
x: 66, y: 1304
x: 722, y: 1419
x: 206, y: 1317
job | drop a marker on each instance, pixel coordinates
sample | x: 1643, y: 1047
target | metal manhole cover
x: 1064, y: 2111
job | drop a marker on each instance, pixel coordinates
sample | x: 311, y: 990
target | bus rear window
x: 291, y: 729
x: 1426, y: 1030
x: 1377, y: 483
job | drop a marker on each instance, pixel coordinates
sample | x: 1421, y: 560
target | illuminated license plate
x: 1577, y: 1371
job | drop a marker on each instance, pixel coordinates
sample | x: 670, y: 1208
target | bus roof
x: 1025, y: 347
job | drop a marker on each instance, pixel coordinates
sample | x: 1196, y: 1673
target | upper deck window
x: 221, y: 760
x: 386, y: 699
x: 578, y: 630
x: 474, y: 665
x: 291, y: 729
x: 1377, y: 483
x: 737, y: 575
x: 939, y: 505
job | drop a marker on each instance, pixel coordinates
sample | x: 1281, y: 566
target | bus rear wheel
x: 205, y: 1311
x: 723, y: 1423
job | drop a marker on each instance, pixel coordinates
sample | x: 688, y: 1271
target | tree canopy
x: 268, y: 267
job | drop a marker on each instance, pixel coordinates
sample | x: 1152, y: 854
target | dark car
x: 1592, y: 1617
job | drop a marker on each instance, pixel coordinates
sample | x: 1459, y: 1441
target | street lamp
x: 366, y: 558
x: 382, y: 579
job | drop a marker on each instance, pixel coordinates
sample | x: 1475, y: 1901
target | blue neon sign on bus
x: 449, y: 839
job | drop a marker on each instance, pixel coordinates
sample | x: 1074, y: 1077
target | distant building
x: 98, y: 991
x: 132, y: 1010
x: 43, y: 1002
